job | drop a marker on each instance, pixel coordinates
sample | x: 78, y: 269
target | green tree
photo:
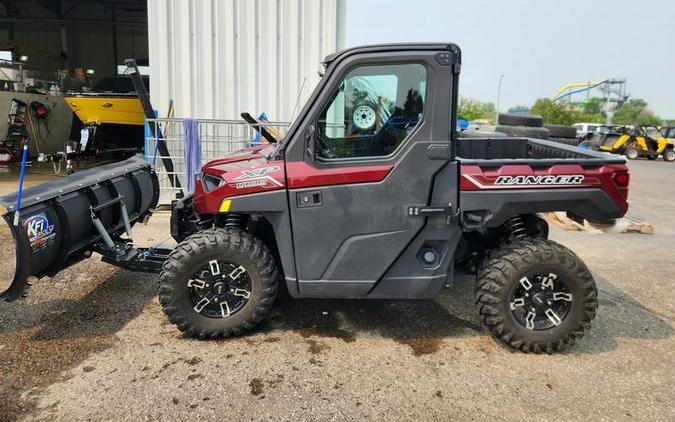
x: 594, y: 105
x: 635, y: 112
x: 563, y: 113
x: 471, y: 110
x: 554, y: 112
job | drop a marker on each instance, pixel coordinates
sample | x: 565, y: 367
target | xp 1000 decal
x: 40, y: 232
x: 257, y: 178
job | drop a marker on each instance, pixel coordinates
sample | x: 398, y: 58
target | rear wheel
x: 669, y: 155
x: 217, y: 283
x: 536, y: 296
x: 631, y: 152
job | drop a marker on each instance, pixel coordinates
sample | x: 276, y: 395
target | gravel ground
x: 92, y: 343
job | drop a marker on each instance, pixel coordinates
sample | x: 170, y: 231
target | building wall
x: 35, y: 31
x: 216, y: 59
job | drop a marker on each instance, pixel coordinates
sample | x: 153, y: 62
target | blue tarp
x: 192, y: 153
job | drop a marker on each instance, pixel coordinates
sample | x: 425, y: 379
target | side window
x: 372, y: 112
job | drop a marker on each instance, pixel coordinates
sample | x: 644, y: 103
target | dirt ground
x: 92, y: 343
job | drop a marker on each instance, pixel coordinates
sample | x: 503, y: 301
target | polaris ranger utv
x: 370, y: 194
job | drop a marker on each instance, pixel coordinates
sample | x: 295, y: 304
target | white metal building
x: 218, y: 58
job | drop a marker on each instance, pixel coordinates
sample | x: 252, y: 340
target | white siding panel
x: 217, y: 58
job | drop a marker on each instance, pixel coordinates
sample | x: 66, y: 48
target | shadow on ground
x: 40, y: 341
x: 424, y: 324
x: 621, y: 316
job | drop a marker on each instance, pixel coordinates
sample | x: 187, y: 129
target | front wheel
x: 218, y: 283
x: 669, y: 155
x: 536, y: 296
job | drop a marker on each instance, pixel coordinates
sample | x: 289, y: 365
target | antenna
x: 298, y: 100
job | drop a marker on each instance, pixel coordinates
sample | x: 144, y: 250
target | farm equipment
x: 360, y: 199
x: 642, y: 141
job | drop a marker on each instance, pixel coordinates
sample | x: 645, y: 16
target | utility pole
x: 499, y: 95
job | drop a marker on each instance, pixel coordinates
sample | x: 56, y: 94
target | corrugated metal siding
x: 217, y: 58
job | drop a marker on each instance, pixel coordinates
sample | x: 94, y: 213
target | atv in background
x: 642, y: 141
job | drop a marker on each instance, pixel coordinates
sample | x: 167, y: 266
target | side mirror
x: 309, y: 142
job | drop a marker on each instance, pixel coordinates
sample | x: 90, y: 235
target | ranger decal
x: 569, y: 179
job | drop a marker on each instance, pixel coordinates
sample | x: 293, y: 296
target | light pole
x: 499, y: 95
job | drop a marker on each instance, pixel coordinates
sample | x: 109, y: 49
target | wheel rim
x: 540, y: 301
x: 670, y: 155
x: 631, y: 153
x: 219, y: 289
x: 364, y: 117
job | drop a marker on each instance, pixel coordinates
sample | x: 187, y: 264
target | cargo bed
x: 538, y: 152
x: 503, y: 176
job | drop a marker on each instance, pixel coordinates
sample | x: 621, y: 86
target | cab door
x: 366, y: 153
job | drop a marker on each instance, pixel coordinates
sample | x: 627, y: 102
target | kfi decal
x: 257, y: 178
x: 40, y: 233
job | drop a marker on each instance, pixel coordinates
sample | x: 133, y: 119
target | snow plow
x: 63, y: 221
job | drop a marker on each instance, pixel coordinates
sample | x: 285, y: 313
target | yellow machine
x: 97, y: 109
x: 111, y: 114
x: 643, y: 141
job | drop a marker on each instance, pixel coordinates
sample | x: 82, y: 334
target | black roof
x: 376, y: 48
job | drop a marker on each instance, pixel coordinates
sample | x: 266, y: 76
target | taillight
x: 622, y: 180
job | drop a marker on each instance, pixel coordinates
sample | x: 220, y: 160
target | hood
x: 245, y: 172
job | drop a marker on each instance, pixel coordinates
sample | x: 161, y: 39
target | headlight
x: 211, y: 182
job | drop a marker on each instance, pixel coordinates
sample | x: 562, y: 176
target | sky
x: 537, y: 45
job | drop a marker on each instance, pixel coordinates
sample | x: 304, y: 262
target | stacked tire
x: 522, y: 125
x: 563, y: 134
x: 532, y: 126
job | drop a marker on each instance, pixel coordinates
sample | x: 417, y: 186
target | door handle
x: 309, y: 199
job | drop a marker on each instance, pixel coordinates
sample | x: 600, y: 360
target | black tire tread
x: 200, y: 242
x: 518, y: 119
x: 492, y: 280
x: 524, y: 131
x: 562, y: 131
